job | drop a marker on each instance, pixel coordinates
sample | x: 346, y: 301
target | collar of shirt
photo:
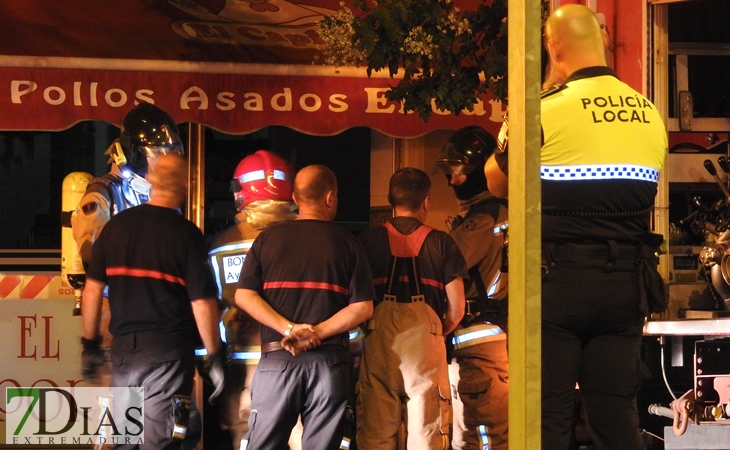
x: 590, y: 72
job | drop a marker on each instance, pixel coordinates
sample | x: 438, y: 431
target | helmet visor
x: 450, y: 161
x: 152, y: 152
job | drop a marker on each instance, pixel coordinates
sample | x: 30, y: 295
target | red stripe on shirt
x: 143, y: 273
x: 305, y: 285
x: 431, y: 282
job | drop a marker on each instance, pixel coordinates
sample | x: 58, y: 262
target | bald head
x: 315, y: 192
x: 574, y: 39
x: 168, y: 180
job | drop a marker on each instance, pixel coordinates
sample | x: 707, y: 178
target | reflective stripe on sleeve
x: 483, y: 436
x: 477, y: 334
x: 247, y: 357
x: 179, y: 432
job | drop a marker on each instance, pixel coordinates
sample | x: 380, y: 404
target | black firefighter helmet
x: 465, y: 153
x: 147, y: 132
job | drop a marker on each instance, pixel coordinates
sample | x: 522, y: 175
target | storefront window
x: 33, y: 166
x: 347, y: 154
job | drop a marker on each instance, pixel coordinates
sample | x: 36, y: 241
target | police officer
x: 479, y: 365
x: 604, y: 146
x: 262, y: 189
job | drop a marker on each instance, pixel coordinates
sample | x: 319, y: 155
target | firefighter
x: 147, y: 132
x: 262, y: 191
x: 418, y: 274
x: 162, y: 298
x: 478, y: 370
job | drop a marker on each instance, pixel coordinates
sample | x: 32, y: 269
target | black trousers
x: 162, y: 363
x: 591, y: 335
x: 315, y: 384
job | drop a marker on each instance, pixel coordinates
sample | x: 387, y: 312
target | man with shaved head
x: 162, y: 297
x: 313, y: 183
x: 604, y: 145
x: 308, y: 282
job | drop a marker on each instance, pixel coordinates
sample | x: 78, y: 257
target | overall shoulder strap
x: 403, y: 247
x: 406, y: 245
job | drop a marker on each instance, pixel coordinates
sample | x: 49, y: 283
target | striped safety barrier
x: 44, y: 287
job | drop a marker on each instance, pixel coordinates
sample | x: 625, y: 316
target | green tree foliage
x: 448, y: 58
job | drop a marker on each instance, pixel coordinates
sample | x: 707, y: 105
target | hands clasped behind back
x: 302, y: 338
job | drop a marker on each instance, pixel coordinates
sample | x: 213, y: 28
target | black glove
x: 92, y: 358
x: 449, y: 341
x: 213, y: 371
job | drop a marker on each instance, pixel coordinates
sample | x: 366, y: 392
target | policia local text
x: 621, y: 108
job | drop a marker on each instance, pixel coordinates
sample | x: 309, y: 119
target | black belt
x: 276, y: 346
x: 578, y: 252
x: 271, y: 347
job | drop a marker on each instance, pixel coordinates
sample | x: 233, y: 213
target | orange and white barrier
x: 43, y: 287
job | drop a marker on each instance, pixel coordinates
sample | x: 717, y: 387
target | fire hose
x: 679, y: 411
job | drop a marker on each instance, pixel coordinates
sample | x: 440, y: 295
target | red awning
x: 232, y: 65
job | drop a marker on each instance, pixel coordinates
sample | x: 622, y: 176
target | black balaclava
x: 475, y: 183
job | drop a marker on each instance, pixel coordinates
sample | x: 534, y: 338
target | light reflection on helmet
x: 147, y: 132
x: 466, y: 151
x: 263, y: 175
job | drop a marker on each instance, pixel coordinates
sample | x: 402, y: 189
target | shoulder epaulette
x: 552, y: 90
x: 112, y: 191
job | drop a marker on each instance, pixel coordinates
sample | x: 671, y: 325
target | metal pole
x: 195, y: 212
x: 524, y: 217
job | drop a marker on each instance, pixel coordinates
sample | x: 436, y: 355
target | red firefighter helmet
x: 263, y: 175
